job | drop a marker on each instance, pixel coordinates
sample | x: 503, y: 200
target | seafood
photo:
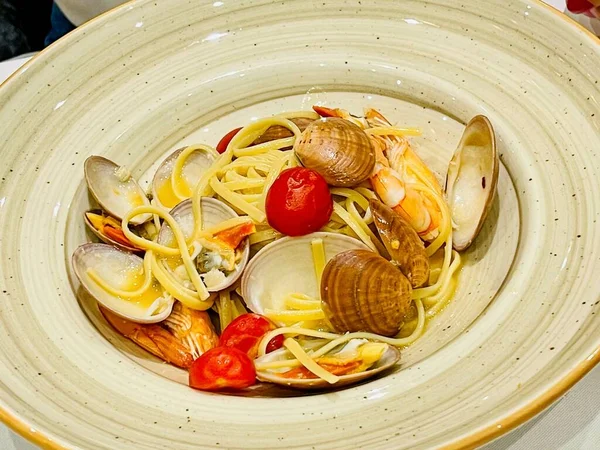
x: 114, y: 188
x: 333, y: 259
x: 403, y: 182
x: 471, y: 181
x: 338, y: 149
x: 222, y: 257
x: 168, y: 191
x: 286, y: 266
x: 402, y: 243
x: 356, y: 361
x: 108, y: 230
x: 119, y: 281
x: 278, y: 132
x: 185, y: 336
x: 361, y: 291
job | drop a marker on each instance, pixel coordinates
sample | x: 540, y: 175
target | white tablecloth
x: 573, y: 423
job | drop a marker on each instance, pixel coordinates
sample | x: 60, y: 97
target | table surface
x: 573, y: 423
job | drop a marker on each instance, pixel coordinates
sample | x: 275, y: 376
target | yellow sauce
x: 165, y: 193
x: 134, y: 281
x: 148, y: 297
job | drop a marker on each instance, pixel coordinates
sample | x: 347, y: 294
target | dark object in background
x: 23, y: 26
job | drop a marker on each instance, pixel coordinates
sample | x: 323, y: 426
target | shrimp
x: 400, y: 178
x: 403, y: 181
x: 179, y: 340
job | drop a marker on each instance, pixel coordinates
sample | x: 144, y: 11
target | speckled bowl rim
x: 474, y: 440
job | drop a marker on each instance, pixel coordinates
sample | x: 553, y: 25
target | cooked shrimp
x: 400, y: 178
x: 403, y: 181
x: 193, y: 328
x: 186, y: 334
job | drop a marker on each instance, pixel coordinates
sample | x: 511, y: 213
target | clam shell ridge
x: 338, y: 149
x: 402, y: 243
x: 286, y: 266
x: 361, y: 291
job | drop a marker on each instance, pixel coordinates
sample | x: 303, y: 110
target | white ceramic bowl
x: 151, y: 76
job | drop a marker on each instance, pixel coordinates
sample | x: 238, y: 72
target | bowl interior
x: 151, y: 76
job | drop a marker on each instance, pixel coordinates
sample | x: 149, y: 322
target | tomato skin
x: 225, y: 140
x: 245, y: 333
x: 298, y: 202
x: 222, y: 368
x: 275, y: 343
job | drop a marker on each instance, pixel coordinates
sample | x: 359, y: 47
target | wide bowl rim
x: 475, y: 438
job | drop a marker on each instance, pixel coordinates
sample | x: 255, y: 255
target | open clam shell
x: 196, y: 164
x: 115, y: 190
x: 390, y: 357
x: 121, y: 270
x: 103, y: 237
x: 471, y: 181
x: 213, y: 212
x: 286, y: 266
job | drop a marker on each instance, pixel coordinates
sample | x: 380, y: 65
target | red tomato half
x: 222, y: 368
x: 298, y: 202
x: 245, y: 332
x: 225, y: 140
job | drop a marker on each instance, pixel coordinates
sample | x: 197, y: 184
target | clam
x: 278, y: 132
x: 122, y: 271
x: 198, y: 162
x: 387, y: 356
x: 338, y: 149
x: 213, y: 212
x: 286, y: 266
x: 402, y: 243
x: 471, y: 181
x: 113, y: 187
x: 361, y: 291
x: 108, y: 230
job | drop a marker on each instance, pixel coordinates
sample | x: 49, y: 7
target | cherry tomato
x: 245, y: 333
x: 222, y: 368
x: 225, y: 140
x: 298, y: 202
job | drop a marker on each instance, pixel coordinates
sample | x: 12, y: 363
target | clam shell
x: 338, y: 149
x: 115, y: 266
x: 195, y: 165
x: 278, y: 132
x: 471, y: 181
x: 114, y: 196
x: 105, y: 238
x: 213, y: 212
x: 402, y: 243
x: 286, y: 266
x: 361, y: 291
x: 390, y: 357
